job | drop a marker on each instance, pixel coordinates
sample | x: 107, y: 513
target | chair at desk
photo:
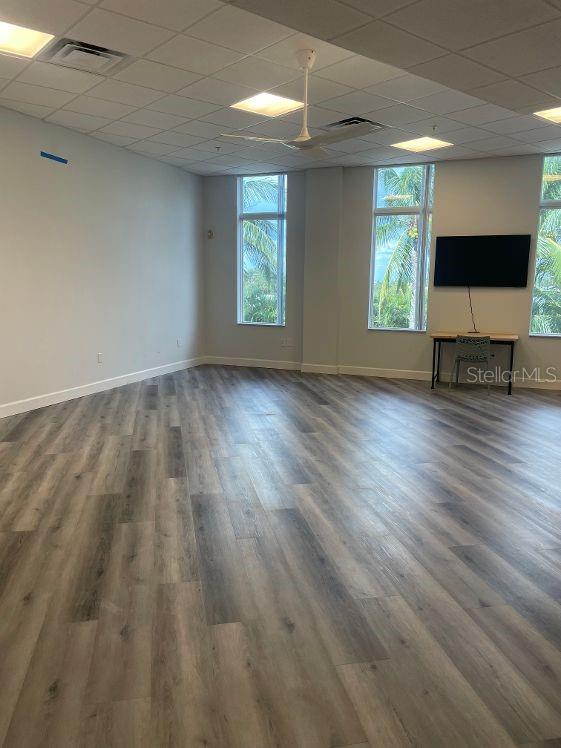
x: 472, y: 350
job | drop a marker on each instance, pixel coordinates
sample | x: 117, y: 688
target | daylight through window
x: 262, y: 249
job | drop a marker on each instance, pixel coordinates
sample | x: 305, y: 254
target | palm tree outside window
x: 262, y: 249
x: 546, y: 300
x: 399, y: 276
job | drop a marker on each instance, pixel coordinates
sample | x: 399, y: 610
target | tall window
x: 400, y: 247
x: 546, y: 302
x: 261, y: 249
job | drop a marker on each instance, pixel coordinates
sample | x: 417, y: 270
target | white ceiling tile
x: 228, y: 160
x: 220, y: 145
x: 405, y: 88
x: 467, y: 135
x: 190, y: 154
x: 513, y: 125
x: 319, y: 89
x: 514, y: 95
x: 394, y: 46
x: 182, y: 106
x: 232, y: 118
x: 81, y: 122
x: 35, y: 110
x: 447, y: 101
x: 323, y: 18
x: 36, y: 94
x: 194, y: 54
x: 124, y: 93
x: 455, y: 152
x: 151, y: 148
x: 549, y: 146
x: 357, y: 102
x: 479, y: 115
x: 399, y: 114
x: 61, y: 78
x: 492, y: 143
x: 521, y: 53
x: 129, y: 130
x: 284, y: 52
x: 117, y: 32
x: 98, y: 107
x: 178, y: 139
x: 154, y: 75
x: 549, y: 132
x: 360, y: 72
x: 275, y: 128
x: 113, y: 139
x: 173, y: 160
x: 204, y: 129
x: 519, y: 149
x: 257, y: 73
x: 456, y: 24
x: 378, y: 8
x: 52, y: 17
x: 237, y: 29
x: 151, y: 118
x: 388, y: 136
x: 11, y: 66
x: 457, y: 72
x: 351, y: 146
x: 172, y: 14
x: 546, y: 80
x: 216, y: 91
x: 434, y: 126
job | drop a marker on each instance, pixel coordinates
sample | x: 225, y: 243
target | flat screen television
x: 499, y: 260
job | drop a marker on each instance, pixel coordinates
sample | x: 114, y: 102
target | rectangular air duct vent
x: 83, y: 56
x: 354, y: 121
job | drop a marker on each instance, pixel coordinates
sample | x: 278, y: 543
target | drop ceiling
x: 470, y: 72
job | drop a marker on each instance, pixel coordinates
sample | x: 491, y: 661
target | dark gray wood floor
x: 253, y: 558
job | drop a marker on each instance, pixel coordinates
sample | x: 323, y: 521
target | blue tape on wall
x: 52, y: 157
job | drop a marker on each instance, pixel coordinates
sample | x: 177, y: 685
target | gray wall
x: 102, y: 255
x: 332, y: 227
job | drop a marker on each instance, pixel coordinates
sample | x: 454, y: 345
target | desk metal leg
x: 433, y: 363
x: 510, y: 368
x: 438, y: 361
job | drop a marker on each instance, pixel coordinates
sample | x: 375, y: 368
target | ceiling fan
x: 347, y: 129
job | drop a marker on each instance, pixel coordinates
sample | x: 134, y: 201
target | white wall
x: 102, y: 255
x: 224, y: 337
x: 477, y: 196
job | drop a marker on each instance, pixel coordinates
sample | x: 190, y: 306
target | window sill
x: 260, y: 324
x: 545, y: 335
x: 395, y: 329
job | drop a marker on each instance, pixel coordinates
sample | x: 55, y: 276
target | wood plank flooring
x: 256, y: 558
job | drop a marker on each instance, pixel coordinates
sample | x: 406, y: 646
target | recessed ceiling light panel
x: 268, y: 104
x: 17, y: 40
x: 552, y: 115
x: 420, y: 145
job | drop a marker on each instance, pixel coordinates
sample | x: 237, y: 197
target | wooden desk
x: 497, y: 338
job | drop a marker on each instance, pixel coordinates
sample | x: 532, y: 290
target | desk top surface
x: 498, y: 336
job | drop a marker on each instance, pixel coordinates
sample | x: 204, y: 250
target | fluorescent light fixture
x: 17, y: 40
x: 268, y: 104
x: 420, y: 145
x: 552, y: 115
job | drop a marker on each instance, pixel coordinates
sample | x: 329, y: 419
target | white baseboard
x: 369, y: 371
x: 319, y: 368
x: 260, y: 363
x: 40, y: 401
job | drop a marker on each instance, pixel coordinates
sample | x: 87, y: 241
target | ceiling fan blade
x: 254, y: 137
x: 338, y: 134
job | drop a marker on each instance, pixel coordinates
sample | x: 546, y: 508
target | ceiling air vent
x: 83, y: 56
x: 355, y: 121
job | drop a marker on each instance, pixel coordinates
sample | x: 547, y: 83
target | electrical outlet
x: 287, y: 342
x: 178, y: 341
x: 100, y: 358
